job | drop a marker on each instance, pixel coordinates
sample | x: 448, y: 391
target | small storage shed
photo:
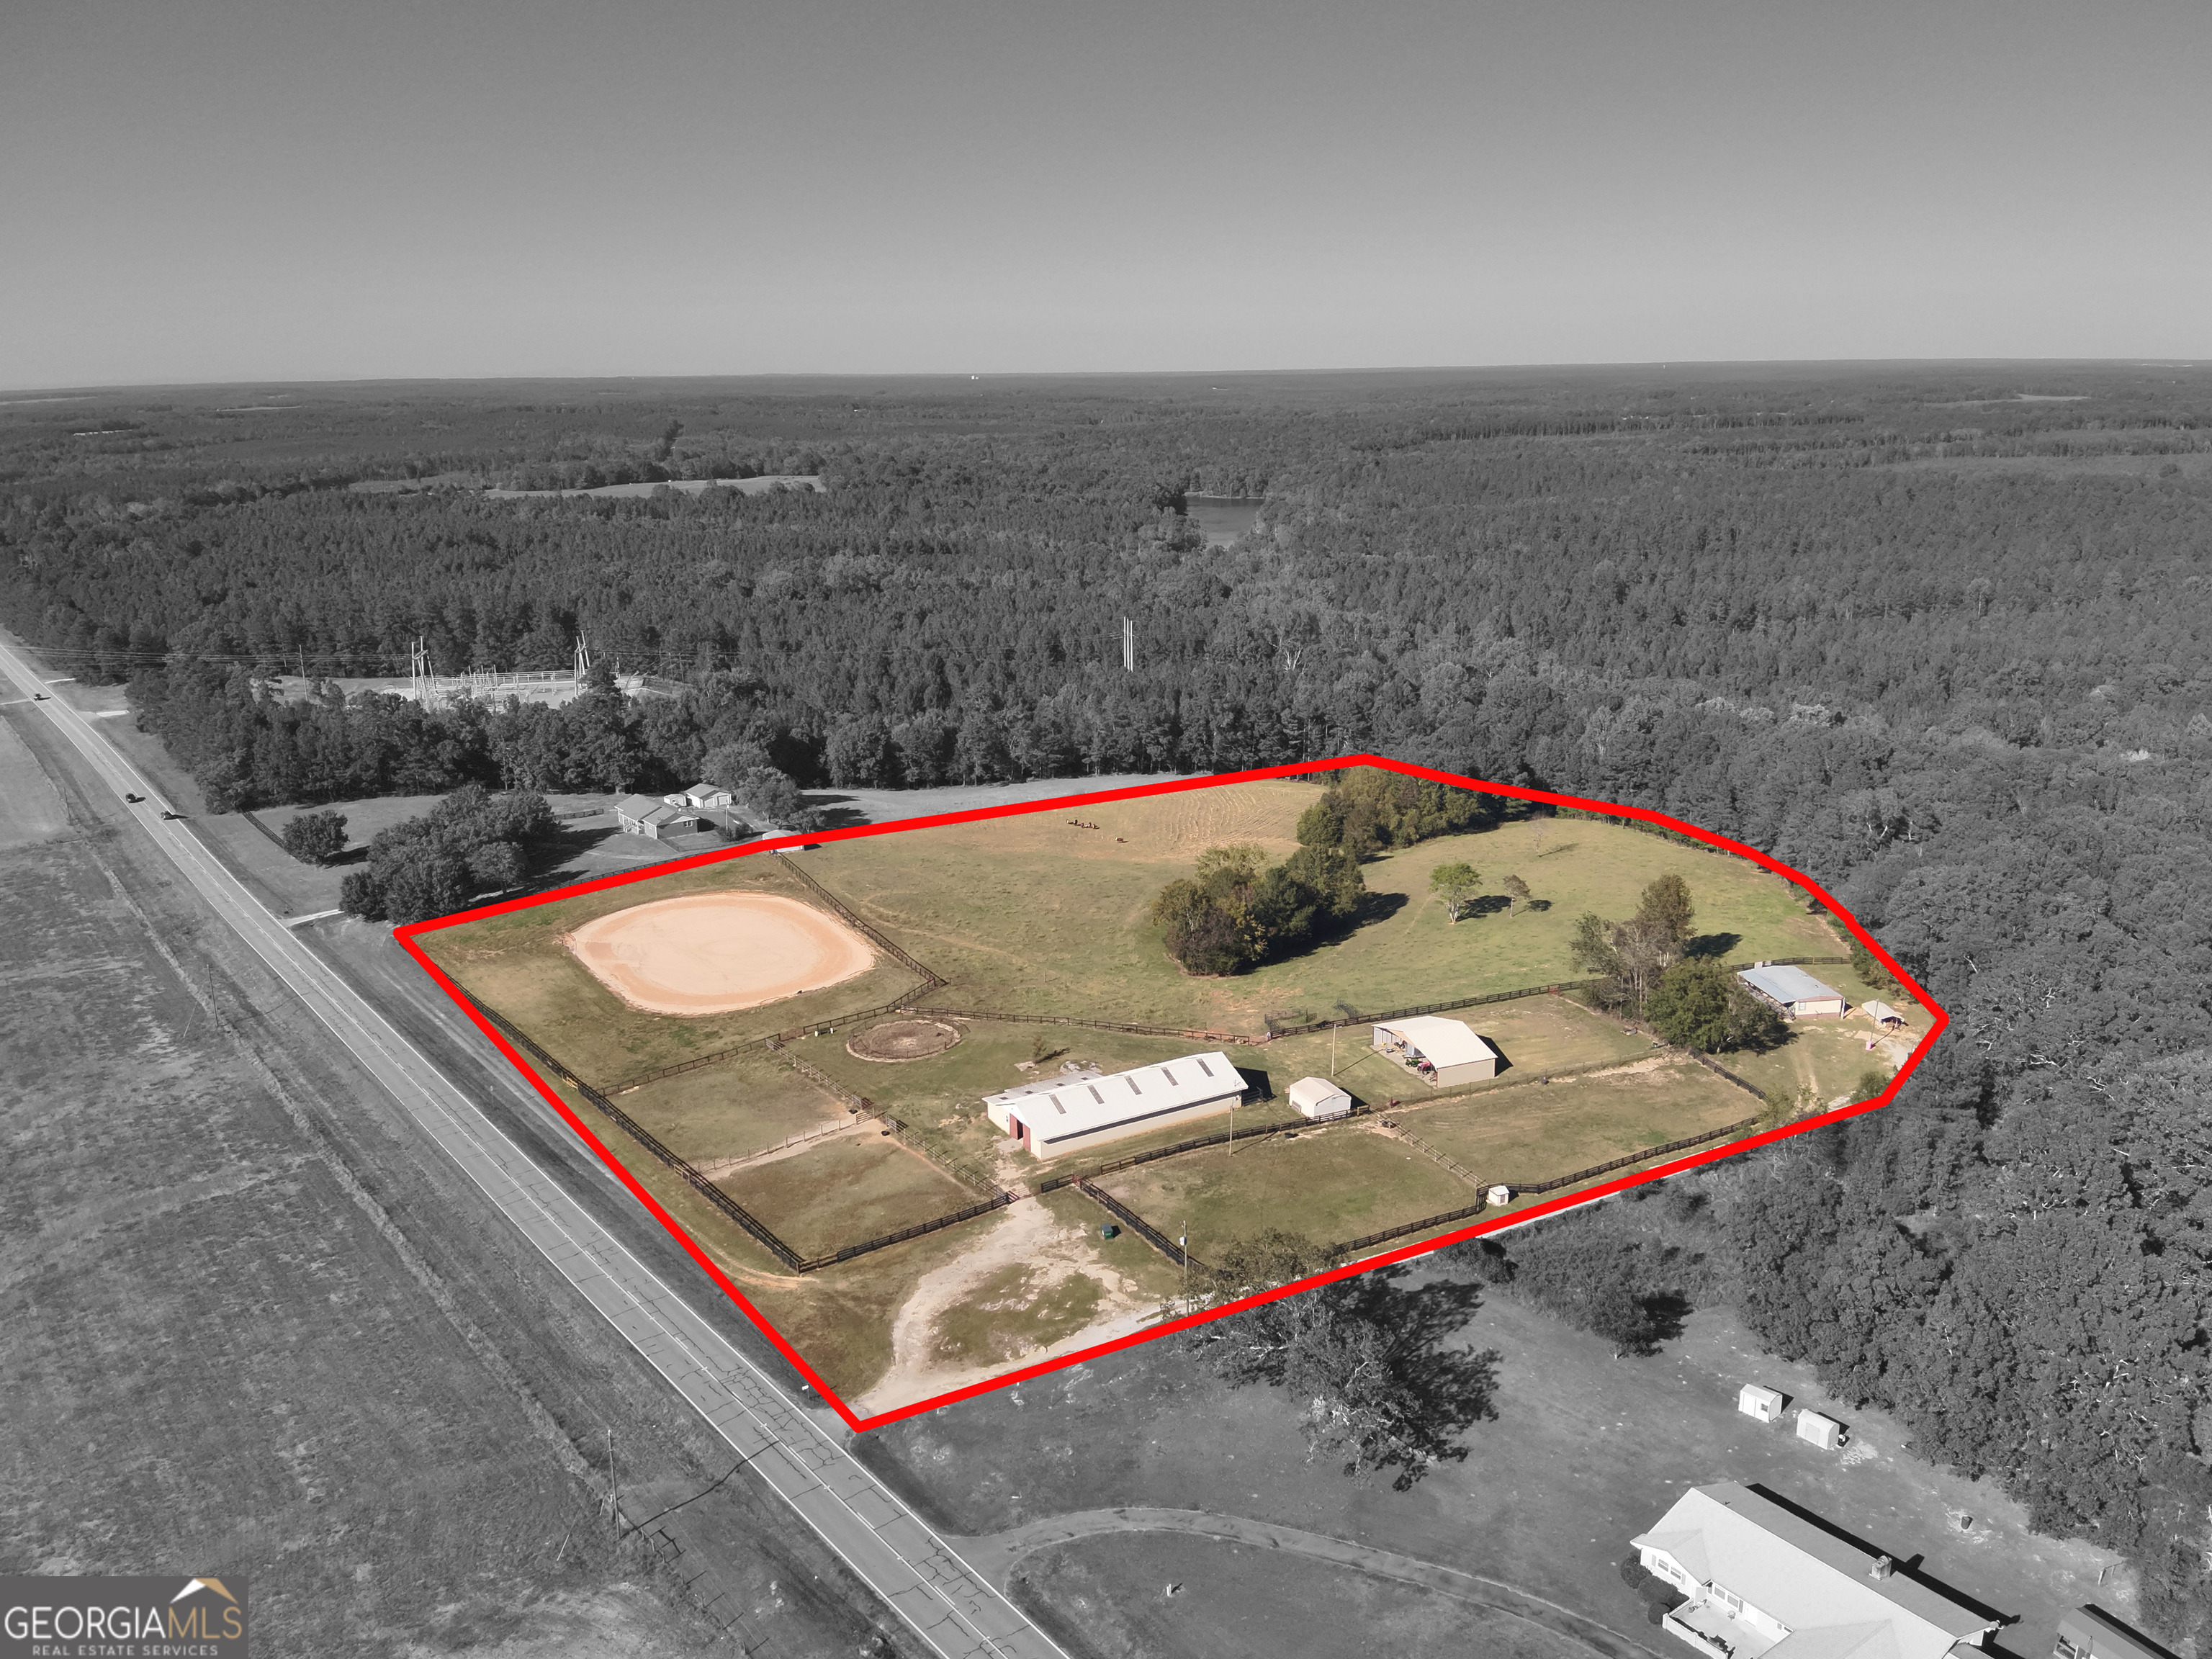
x: 1883, y: 1015
x: 2093, y: 1633
x: 1822, y: 1431
x: 1792, y: 990
x: 1765, y: 1403
x: 1497, y: 1197
x: 1318, y: 1099
x: 1438, y: 1051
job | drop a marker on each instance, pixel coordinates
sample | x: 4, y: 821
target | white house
x: 1059, y: 1115
x: 1438, y: 1051
x: 1792, y: 990
x: 1765, y: 1583
x: 1317, y: 1098
x: 654, y: 818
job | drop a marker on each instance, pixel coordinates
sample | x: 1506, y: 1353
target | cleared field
x: 844, y: 1189
x: 716, y: 953
x: 1035, y: 915
x: 744, y: 1104
x: 1538, y: 1131
x: 1339, y: 1183
x: 1829, y: 1056
x: 518, y: 964
x: 1257, y: 1601
x: 30, y: 810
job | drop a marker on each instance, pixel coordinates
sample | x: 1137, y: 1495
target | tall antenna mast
x: 1128, y: 644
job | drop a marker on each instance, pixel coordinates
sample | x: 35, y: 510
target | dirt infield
x: 707, y: 953
x: 899, y: 1040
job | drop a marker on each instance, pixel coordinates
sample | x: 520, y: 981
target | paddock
x: 710, y: 953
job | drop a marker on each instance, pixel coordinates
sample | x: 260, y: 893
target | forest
x: 1936, y: 636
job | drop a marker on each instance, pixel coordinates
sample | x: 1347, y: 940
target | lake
x: 1222, y: 518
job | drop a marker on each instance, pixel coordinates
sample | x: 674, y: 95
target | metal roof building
x: 1438, y: 1051
x: 1057, y: 1114
x: 1793, y: 990
x: 1881, y: 1013
x: 1765, y: 1583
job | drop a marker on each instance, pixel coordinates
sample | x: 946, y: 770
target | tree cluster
x: 1238, y: 911
x: 1698, y: 1003
x: 1366, y: 809
x: 470, y: 843
x: 1628, y: 958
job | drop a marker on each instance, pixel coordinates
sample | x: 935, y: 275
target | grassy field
x: 746, y: 1103
x: 1334, y: 1184
x: 1058, y: 923
x: 842, y: 1190
x: 1585, y: 1452
x: 517, y: 964
x: 1538, y: 1131
x: 1237, y: 1601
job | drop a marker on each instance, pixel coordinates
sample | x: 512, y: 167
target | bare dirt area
x: 258, y: 1323
x: 713, y: 953
x: 1585, y: 1451
x: 1010, y: 1264
x: 898, y: 1041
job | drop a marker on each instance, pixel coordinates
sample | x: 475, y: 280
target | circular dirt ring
x: 904, y: 1039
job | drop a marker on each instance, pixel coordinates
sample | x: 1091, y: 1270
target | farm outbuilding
x: 1882, y: 1015
x: 1318, y: 1099
x: 1060, y: 1114
x: 2093, y: 1633
x: 1793, y: 991
x: 654, y: 818
x: 1820, y: 1430
x: 1438, y: 1051
x: 1765, y: 1403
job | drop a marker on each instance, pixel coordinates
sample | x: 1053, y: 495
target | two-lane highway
x: 957, y: 1612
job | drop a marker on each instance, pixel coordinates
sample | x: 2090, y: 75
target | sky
x: 238, y: 190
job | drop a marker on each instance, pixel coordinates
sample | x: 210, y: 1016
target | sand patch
x: 1023, y: 1232
x: 710, y: 953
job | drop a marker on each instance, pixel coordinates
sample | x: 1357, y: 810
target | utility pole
x: 1183, y: 1238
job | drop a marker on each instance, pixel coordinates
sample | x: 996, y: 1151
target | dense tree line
x: 1900, y: 629
x: 472, y: 843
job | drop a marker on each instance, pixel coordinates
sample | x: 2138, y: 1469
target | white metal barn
x: 1060, y: 1114
x: 1792, y: 990
x: 1765, y: 1403
x: 1438, y: 1051
x: 1317, y: 1098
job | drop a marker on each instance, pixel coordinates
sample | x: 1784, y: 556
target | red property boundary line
x: 408, y: 934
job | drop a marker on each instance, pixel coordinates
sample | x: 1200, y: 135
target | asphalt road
x: 955, y: 1609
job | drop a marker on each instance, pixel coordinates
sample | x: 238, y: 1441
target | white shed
x: 1317, y: 1098
x: 1765, y: 1403
x: 1823, y: 1431
x: 1498, y: 1197
x: 1057, y: 1114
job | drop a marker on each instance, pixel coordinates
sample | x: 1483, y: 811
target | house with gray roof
x: 1792, y: 990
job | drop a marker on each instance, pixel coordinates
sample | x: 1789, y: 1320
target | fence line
x: 1137, y: 1224
x: 818, y: 1027
x: 937, y: 1224
x: 1451, y: 1164
x: 862, y: 925
x: 652, y: 1143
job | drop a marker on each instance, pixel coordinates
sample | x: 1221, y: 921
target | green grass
x: 1030, y: 915
x: 517, y: 964
x: 744, y: 1104
x: 1541, y: 1131
x: 841, y: 1191
x: 1326, y: 1185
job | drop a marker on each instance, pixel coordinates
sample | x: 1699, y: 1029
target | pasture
x: 845, y: 1189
